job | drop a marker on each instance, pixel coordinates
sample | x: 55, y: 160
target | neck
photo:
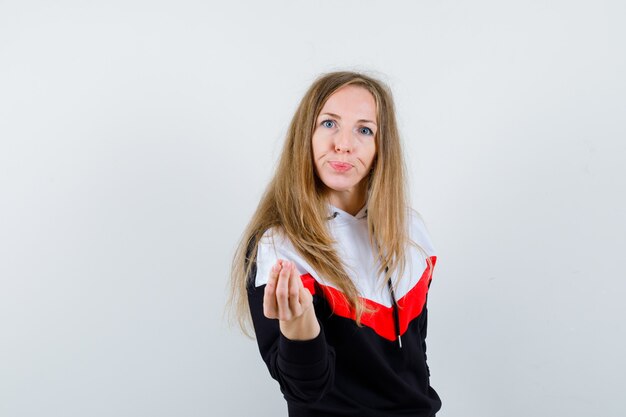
x: 350, y: 201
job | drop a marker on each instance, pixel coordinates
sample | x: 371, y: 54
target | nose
x: 344, y: 142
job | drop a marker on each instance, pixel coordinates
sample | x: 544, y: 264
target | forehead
x: 351, y: 100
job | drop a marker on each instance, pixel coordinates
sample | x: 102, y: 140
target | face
x: 344, y: 141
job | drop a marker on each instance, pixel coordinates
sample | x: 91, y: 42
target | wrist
x: 304, y: 327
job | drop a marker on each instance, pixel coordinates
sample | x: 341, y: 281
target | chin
x: 339, y: 185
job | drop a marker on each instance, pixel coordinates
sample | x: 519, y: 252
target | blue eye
x: 366, y: 131
x: 328, y: 123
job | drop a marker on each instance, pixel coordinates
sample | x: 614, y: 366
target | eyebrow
x: 336, y: 116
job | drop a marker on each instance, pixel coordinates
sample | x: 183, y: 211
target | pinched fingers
x: 285, y: 293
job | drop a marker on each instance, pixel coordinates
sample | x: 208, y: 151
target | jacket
x: 378, y: 369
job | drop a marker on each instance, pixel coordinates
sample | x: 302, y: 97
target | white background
x: 137, y: 137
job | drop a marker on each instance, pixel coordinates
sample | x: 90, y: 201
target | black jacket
x: 378, y: 369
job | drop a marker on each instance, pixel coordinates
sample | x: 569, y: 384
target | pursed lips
x: 340, y: 166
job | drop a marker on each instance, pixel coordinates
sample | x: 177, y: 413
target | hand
x: 287, y: 300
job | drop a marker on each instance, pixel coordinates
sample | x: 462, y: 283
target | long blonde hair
x: 294, y: 200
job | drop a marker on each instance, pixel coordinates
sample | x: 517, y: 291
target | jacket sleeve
x: 303, y: 369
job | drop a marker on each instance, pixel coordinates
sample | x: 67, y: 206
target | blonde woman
x: 334, y: 268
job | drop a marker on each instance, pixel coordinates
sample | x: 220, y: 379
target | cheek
x: 318, y: 145
x: 370, y: 154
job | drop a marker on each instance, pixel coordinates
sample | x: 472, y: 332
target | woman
x: 334, y: 269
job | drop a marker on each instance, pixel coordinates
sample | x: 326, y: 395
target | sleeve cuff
x: 303, y: 352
